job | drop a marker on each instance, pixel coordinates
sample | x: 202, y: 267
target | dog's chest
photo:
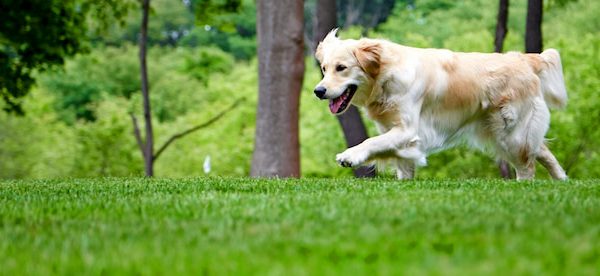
x: 385, y: 115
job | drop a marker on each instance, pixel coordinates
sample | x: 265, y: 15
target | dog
x: 427, y: 100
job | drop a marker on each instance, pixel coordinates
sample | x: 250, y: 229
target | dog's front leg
x: 397, y: 141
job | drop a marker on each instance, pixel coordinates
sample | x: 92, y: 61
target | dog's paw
x: 351, y: 158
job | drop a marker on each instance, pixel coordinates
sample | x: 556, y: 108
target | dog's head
x: 349, y: 68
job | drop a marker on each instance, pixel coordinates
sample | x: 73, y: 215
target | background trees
x: 146, y: 142
x: 281, y: 71
x: 77, y: 122
x: 37, y: 34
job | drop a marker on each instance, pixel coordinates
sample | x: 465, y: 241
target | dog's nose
x: 320, y: 91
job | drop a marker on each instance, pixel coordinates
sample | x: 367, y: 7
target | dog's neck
x: 369, y: 94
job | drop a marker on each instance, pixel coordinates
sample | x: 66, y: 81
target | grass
x: 298, y: 227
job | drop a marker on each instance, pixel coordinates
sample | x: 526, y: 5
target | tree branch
x: 200, y: 126
x: 136, y: 133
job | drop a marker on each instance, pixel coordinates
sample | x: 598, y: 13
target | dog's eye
x: 323, y: 69
x: 340, y: 68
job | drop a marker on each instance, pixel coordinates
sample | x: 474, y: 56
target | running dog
x: 427, y: 100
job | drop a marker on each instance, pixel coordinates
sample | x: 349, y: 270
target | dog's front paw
x: 351, y: 158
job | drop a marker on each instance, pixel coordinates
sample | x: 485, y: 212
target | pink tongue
x: 335, y: 104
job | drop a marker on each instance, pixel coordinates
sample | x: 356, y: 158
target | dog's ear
x: 330, y: 38
x: 368, y: 55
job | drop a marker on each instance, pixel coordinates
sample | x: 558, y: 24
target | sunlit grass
x: 311, y: 226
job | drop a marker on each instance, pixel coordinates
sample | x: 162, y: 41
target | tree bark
x: 280, y: 29
x: 148, y: 151
x: 533, y: 28
x: 501, y: 29
x: 350, y: 121
x: 325, y: 19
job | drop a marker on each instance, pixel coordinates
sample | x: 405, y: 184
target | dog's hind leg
x: 547, y: 159
x: 521, y: 144
x: 405, y: 169
x: 525, y: 171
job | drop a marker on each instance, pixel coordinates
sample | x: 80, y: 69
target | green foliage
x: 79, y: 115
x: 105, y: 147
x: 36, y: 145
x: 233, y: 29
x: 228, y: 142
x: 436, y: 21
x: 175, y: 73
x: 169, y: 21
x: 574, y: 132
x: 199, y: 63
x: 173, y: 24
x: 85, y: 78
x: 242, y: 48
x: 213, y: 11
x: 37, y: 34
x: 241, y: 226
x: 34, y: 35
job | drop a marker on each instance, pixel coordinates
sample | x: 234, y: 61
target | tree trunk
x: 533, y: 29
x: 501, y: 29
x: 148, y: 151
x: 351, y: 122
x: 325, y: 19
x: 280, y: 29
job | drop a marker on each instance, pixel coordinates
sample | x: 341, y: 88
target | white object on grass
x: 206, y: 165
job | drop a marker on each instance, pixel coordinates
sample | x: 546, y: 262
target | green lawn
x: 298, y: 227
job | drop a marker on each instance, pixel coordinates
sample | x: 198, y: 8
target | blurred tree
x: 501, y: 29
x: 36, y: 34
x: 350, y: 121
x: 280, y: 31
x: 365, y: 13
x: 533, y: 27
x: 146, y: 144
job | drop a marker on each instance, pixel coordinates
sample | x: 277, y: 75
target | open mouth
x: 341, y: 103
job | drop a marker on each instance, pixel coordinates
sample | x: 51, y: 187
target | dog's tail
x: 552, y: 80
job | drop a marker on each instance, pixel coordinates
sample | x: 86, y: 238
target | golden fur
x: 425, y: 100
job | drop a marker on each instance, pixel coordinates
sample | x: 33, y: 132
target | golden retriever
x: 426, y: 100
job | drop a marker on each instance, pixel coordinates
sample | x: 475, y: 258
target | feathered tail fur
x: 552, y: 80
